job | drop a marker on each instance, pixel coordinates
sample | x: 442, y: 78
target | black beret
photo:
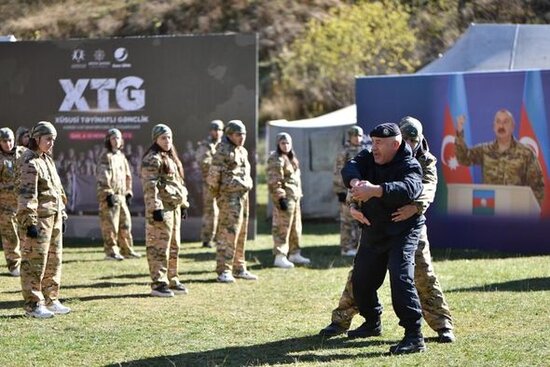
x: 385, y: 130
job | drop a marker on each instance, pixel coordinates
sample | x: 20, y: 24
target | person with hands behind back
x: 166, y: 205
x: 41, y: 215
x: 285, y: 187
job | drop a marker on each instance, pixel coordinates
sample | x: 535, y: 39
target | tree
x: 320, y: 66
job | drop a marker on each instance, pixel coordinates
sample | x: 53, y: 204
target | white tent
x: 316, y: 142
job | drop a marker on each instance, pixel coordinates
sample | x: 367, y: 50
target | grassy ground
x: 499, y: 301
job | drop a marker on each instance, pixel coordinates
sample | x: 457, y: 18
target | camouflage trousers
x: 287, y: 228
x: 10, y: 239
x: 434, y: 306
x: 162, y: 242
x: 116, y: 227
x: 41, y: 262
x: 231, y: 232
x: 209, y: 215
x: 350, y: 231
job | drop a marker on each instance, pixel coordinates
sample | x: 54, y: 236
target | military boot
x: 366, y: 329
x: 411, y: 343
x: 332, y: 330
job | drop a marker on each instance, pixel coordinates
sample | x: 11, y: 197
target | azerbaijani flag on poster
x: 533, y: 130
x: 456, y: 105
x: 483, y: 202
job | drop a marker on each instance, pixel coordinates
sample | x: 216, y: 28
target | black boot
x: 366, y: 329
x: 445, y: 336
x: 207, y: 244
x: 332, y: 330
x: 411, y: 343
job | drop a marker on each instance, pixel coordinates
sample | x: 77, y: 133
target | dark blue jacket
x: 401, y: 181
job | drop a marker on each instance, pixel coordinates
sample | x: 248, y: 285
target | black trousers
x: 395, y: 254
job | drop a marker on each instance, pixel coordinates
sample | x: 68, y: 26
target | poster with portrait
x: 490, y: 134
x: 86, y: 86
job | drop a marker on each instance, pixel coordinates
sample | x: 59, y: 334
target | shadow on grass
x: 520, y: 285
x: 287, y: 351
x: 104, y: 285
x: 449, y: 254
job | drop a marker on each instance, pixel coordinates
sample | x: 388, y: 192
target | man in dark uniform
x: 381, y: 182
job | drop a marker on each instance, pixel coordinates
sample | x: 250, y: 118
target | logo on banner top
x: 78, y: 55
x: 121, y: 54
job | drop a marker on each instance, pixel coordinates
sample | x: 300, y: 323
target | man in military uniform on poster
x: 504, y: 161
x: 382, y: 181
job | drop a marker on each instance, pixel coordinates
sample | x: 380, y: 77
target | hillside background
x: 310, y: 50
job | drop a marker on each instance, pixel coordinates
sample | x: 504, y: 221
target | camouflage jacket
x: 345, y: 154
x: 113, y: 175
x: 230, y: 169
x: 8, y: 179
x: 163, y: 186
x: 517, y: 165
x: 429, y: 177
x: 283, y: 180
x: 40, y: 191
x: 204, y: 154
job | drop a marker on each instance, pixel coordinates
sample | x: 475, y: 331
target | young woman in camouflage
x: 8, y: 201
x: 166, y: 204
x: 285, y: 188
x: 114, y: 193
x: 41, y: 215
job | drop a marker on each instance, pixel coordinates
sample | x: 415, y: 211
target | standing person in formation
x: 434, y: 306
x: 350, y: 231
x: 229, y: 181
x: 22, y: 136
x: 166, y: 205
x: 41, y: 216
x: 114, y: 194
x: 9, y: 229
x: 285, y: 187
x: 204, y: 155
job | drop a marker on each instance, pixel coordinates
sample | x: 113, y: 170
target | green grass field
x: 500, y: 303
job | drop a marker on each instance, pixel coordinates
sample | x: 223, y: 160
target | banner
x: 84, y: 87
x: 493, y: 191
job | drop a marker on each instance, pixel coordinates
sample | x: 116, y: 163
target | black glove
x: 110, y: 199
x: 63, y: 227
x: 32, y: 231
x: 158, y: 215
x: 342, y: 197
x: 183, y: 213
x: 283, y: 204
x: 128, y: 199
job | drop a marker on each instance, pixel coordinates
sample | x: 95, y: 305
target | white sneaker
x: 351, y: 252
x: 114, y: 257
x: 39, y: 312
x: 297, y: 258
x: 226, y: 277
x: 57, y: 308
x: 246, y: 275
x: 15, y: 272
x: 162, y: 291
x: 179, y: 288
x: 282, y: 262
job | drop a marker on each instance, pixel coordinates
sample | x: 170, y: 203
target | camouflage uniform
x: 163, y: 189
x: 210, y: 210
x: 114, y: 178
x: 516, y: 166
x: 8, y: 207
x: 283, y: 181
x: 41, y: 203
x: 350, y: 230
x: 434, y: 307
x: 229, y: 181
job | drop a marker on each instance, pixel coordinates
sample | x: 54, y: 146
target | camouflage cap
x: 113, y: 132
x: 21, y: 130
x: 411, y: 128
x: 283, y: 136
x: 43, y: 128
x: 216, y: 125
x: 235, y: 126
x: 385, y: 130
x: 6, y: 134
x: 159, y: 130
x: 355, y: 131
